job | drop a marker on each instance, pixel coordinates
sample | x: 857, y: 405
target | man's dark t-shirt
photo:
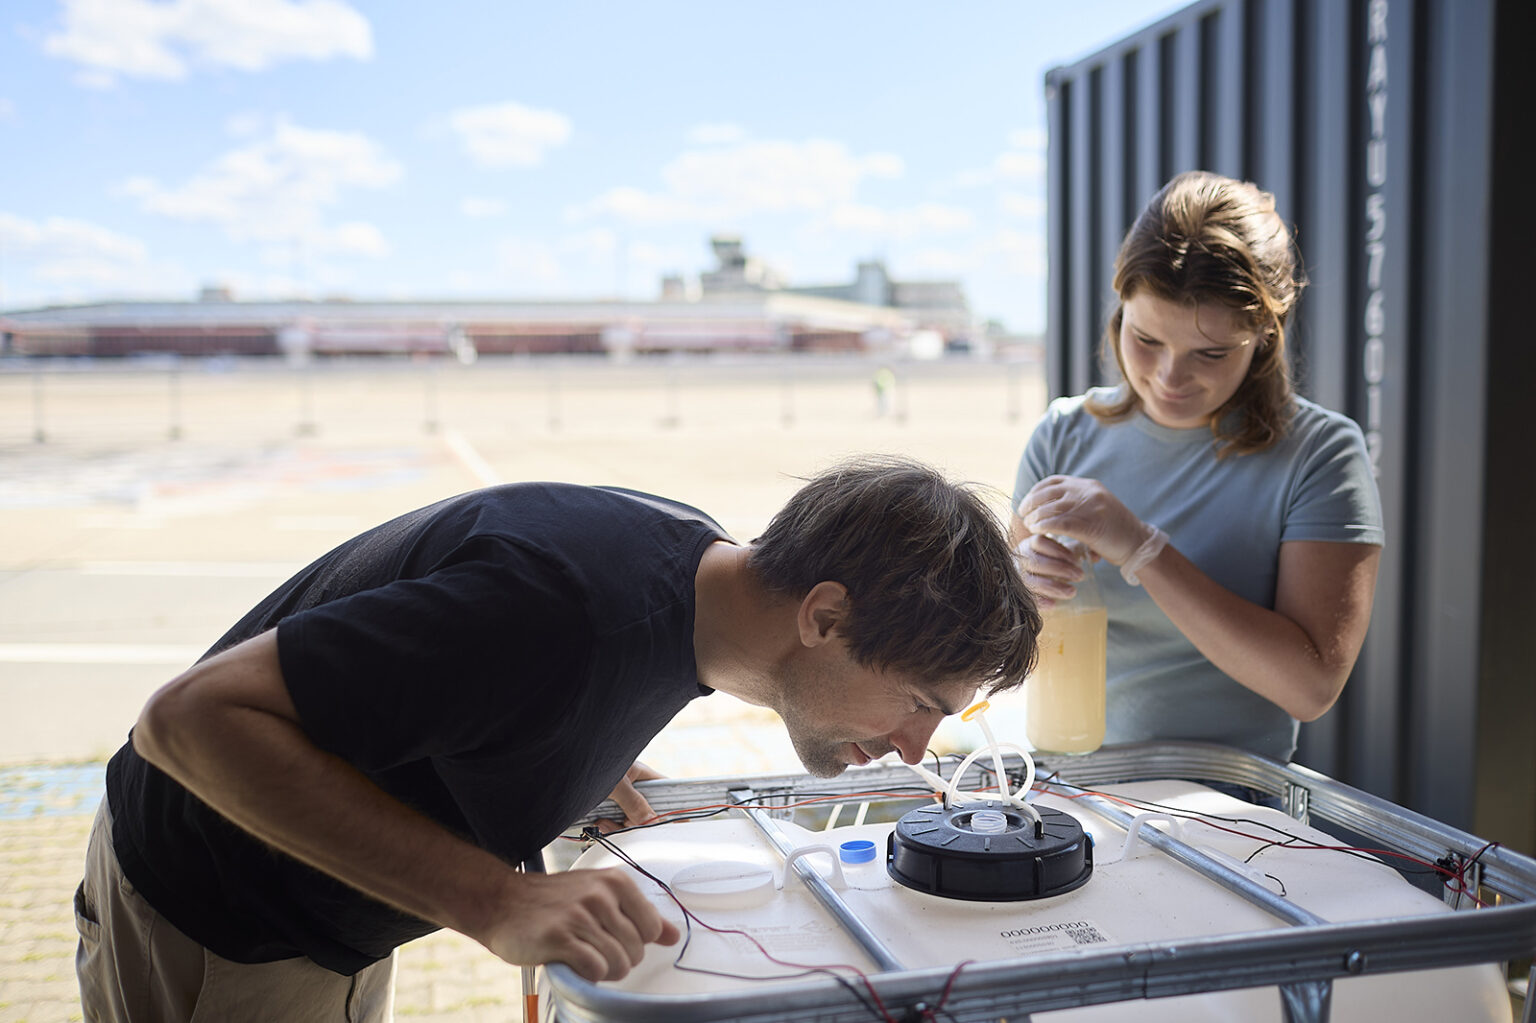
x: 496, y: 660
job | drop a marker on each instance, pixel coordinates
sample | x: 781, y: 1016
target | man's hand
x: 228, y: 730
x: 594, y: 921
x: 636, y: 809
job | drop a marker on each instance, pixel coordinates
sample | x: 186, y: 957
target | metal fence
x: 58, y: 401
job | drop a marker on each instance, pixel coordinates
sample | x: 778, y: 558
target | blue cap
x: 860, y: 851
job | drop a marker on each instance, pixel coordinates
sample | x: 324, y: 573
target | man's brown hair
x: 932, y: 587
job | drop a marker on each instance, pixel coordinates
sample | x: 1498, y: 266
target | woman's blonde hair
x: 1208, y: 238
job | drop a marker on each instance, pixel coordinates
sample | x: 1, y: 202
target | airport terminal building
x: 740, y: 306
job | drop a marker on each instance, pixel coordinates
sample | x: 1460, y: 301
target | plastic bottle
x: 1065, y: 694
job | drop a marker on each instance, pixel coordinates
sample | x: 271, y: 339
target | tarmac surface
x: 144, y: 506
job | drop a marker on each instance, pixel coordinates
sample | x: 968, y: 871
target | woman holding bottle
x: 1233, y: 527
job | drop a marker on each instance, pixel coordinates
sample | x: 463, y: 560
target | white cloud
x: 1022, y: 204
x: 277, y: 188
x: 509, y: 134
x: 942, y: 262
x: 1034, y: 139
x: 1022, y: 162
x: 73, y: 257
x: 1019, y: 164
x: 716, y: 134
x: 721, y: 184
x: 314, y: 263
x: 144, y: 39
x: 912, y: 222
x: 247, y: 124
x: 7, y: 109
x: 596, y: 245
x: 66, y: 238
x: 480, y: 207
x: 598, y: 260
x: 635, y: 206
x: 592, y: 261
x: 354, y: 238
x: 1018, y: 252
x: 773, y: 177
x: 525, y: 265
x: 651, y: 260
x: 884, y: 165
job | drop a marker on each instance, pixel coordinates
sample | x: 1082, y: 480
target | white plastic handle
x: 1175, y: 828
x: 836, y: 881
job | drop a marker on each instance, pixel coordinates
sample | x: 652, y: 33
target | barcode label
x: 1086, y: 935
x: 1053, y: 937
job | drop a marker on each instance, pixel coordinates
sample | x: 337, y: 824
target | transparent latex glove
x: 1084, y: 510
x: 1050, y: 568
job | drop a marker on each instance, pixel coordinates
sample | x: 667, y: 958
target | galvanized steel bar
x: 818, y: 886
x: 1230, y: 879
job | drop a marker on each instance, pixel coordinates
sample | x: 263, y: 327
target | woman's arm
x: 1298, y: 656
x: 228, y: 730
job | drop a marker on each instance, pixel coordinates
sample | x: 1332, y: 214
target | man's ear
x: 820, y: 612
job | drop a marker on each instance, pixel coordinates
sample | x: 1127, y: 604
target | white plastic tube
x: 951, y: 788
x: 979, y: 713
x: 952, y: 795
x: 935, y: 782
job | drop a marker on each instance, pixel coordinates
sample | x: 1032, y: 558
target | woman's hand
x: 1049, y: 567
x: 1084, y: 510
x: 1297, y: 655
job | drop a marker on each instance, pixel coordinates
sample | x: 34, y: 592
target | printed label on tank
x: 1054, y: 937
x: 785, y: 938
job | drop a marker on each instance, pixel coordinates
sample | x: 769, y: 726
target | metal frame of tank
x: 1301, y: 960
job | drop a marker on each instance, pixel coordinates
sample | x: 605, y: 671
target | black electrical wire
x: 688, y: 918
x: 872, y: 1006
x: 760, y: 803
x: 1413, y: 865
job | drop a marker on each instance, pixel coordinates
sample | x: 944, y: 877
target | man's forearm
x: 226, y: 730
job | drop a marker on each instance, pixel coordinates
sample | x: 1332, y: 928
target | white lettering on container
x: 1374, y: 353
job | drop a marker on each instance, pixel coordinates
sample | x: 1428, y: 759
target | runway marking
x: 98, y: 653
x: 471, y: 459
x: 194, y: 569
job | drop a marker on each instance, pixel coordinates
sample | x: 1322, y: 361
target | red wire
x: 788, y: 806
x: 661, y: 817
x: 1457, y: 876
x: 1454, y: 875
x: 948, y: 986
x: 863, y: 977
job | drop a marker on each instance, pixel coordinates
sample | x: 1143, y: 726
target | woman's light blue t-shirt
x: 1229, y: 517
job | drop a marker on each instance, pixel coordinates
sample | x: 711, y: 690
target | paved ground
x: 144, y: 507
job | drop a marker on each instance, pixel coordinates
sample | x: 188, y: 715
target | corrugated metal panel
x: 1374, y: 123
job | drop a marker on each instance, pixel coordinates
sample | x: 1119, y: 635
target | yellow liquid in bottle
x: 1065, y: 694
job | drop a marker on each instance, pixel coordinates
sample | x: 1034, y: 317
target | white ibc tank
x: 1141, y: 896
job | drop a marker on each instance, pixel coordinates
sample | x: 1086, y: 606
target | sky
x: 504, y: 149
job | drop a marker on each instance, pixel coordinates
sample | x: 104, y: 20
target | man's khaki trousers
x: 134, y: 967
